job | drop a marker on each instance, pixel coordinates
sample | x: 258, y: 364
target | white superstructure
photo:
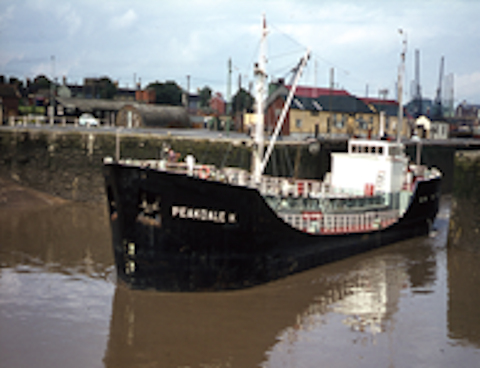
x: 369, y: 167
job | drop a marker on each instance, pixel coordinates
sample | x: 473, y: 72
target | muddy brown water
x: 411, y: 304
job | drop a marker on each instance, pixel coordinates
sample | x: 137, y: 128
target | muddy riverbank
x: 17, y: 197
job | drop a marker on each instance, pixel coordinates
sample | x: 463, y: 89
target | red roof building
x: 314, y: 92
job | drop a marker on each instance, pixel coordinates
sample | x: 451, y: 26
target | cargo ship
x: 187, y: 226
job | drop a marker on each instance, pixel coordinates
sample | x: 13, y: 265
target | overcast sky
x: 169, y: 39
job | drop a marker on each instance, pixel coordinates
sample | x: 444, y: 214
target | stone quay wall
x: 68, y: 163
x: 465, y: 211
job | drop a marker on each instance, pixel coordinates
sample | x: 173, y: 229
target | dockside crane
x: 417, y: 98
x: 437, y: 113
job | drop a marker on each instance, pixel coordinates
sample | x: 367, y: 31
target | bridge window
x: 394, y: 151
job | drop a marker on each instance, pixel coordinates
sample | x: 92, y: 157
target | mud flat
x: 17, y: 197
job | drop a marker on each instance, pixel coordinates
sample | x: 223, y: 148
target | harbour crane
x: 437, y: 113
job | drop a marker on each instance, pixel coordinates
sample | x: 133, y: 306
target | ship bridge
x: 369, y: 167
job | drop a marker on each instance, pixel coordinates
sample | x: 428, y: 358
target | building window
x: 298, y: 123
x: 338, y: 121
x: 362, y: 124
x: 277, y: 114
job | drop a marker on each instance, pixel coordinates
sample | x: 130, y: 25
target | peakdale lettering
x: 203, y: 214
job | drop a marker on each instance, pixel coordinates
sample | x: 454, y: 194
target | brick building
x: 9, y: 101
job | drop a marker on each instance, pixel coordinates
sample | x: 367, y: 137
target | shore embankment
x: 465, y: 212
x: 67, y: 162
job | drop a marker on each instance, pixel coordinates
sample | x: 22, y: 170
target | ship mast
x: 286, y: 107
x: 259, y: 159
x: 261, y: 77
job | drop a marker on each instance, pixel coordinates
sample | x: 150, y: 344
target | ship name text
x: 204, y: 214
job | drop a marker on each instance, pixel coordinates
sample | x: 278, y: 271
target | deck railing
x: 269, y: 185
x: 340, y: 223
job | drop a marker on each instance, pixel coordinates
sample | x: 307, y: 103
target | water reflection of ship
x: 367, y: 299
x: 68, y: 238
x: 236, y: 329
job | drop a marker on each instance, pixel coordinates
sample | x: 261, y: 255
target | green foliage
x: 242, y: 101
x: 205, y: 95
x: 17, y: 82
x: 33, y: 110
x: 107, y: 89
x: 42, y: 82
x: 168, y: 93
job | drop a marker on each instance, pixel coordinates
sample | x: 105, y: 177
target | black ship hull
x: 174, y: 232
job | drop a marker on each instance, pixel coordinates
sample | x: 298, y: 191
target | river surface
x: 412, y: 304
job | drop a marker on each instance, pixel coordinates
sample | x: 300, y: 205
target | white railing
x: 38, y: 120
x: 328, y: 223
x: 269, y: 185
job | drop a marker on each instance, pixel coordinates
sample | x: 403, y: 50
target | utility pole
x: 401, y: 70
x: 332, y: 78
x: 187, y: 93
x: 332, y: 84
x: 229, y: 87
x: 51, y: 108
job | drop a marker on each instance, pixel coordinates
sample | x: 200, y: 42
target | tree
x: 107, y: 89
x: 42, y: 81
x: 242, y: 101
x: 16, y: 82
x: 168, y: 93
x: 205, y: 95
